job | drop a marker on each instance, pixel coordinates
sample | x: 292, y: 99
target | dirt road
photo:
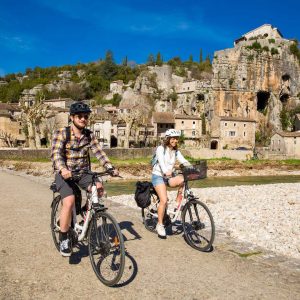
x: 31, y: 267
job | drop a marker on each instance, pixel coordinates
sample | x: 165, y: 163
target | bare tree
x: 33, y: 116
x: 132, y: 118
x: 8, y: 138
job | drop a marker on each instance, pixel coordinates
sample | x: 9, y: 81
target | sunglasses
x: 82, y: 117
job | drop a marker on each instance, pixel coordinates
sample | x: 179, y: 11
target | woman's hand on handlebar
x: 113, y: 172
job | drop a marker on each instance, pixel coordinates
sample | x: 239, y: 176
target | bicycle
x: 97, y: 227
x: 196, y: 219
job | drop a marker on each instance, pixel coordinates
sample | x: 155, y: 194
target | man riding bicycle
x: 70, y: 152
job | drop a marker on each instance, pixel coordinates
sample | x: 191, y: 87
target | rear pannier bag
x: 143, y: 194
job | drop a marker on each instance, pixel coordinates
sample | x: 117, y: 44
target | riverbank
x: 139, y: 170
x: 266, y: 216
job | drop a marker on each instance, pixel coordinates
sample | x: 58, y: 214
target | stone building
x: 162, y: 121
x: 234, y: 132
x: 10, y: 125
x: 286, y: 143
x: 264, y: 31
x: 190, y: 127
x: 60, y: 102
x: 297, y: 122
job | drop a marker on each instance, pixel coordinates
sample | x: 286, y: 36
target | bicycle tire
x: 54, y: 225
x: 105, y: 242
x: 198, y: 225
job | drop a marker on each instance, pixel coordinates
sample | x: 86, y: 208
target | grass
x: 246, y: 254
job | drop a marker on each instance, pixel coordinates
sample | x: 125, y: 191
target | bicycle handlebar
x: 96, y: 174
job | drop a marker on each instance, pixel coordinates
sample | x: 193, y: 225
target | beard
x: 78, y: 126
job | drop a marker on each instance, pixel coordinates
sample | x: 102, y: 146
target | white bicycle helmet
x: 172, y: 133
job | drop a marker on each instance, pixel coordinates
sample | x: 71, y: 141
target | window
x: 182, y: 122
x: 244, y: 125
x: 234, y: 124
x: 182, y: 132
x: 20, y: 131
x: 193, y: 133
x: 244, y: 133
x: 194, y: 122
x: 112, y: 131
x: 225, y: 124
x: 231, y: 133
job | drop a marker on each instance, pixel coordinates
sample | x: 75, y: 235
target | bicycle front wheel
x: 55, y: 222
x: 106, y: 248
x: 198, y: 225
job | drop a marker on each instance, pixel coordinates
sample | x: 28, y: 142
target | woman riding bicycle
x: 163, y: 175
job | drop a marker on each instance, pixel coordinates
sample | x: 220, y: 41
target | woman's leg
x: 177, y: 181
x: 161, y: 191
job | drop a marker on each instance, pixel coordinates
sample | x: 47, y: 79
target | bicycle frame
x: 186, y: 192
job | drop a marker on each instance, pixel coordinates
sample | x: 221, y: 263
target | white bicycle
x: 98, y: 228
x: 197, y: 221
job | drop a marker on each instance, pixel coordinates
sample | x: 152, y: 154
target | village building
x: 60, y: 102
x: 286, y: 143
x: 11, y: 128
x: 297, y: 122
x: 234, y: 133
x: 190, y: 128
x: 162, y: 121
x: 265, y: 31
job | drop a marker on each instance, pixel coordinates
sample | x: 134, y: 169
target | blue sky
x: 49, y: 32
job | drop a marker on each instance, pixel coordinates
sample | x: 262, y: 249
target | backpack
x: 87, y: 133
x: 154, y: 159
x: 142, y: 194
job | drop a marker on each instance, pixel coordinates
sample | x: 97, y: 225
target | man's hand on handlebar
x: 65, y: 173
x: 113, y: 172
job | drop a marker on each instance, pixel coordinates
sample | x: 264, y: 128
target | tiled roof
x: 10, y: 106
x: 289, y: 134
x: 186, y: 117
x: 163, y: 117
x: 237, y: 119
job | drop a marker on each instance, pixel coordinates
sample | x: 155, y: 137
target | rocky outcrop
x: 255, y: 79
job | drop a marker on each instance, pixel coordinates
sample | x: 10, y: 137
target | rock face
x: 255, y: 80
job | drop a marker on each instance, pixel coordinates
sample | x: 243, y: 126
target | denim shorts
x: 156, y: 180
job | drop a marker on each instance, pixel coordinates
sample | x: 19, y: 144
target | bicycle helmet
x: 172, y: 133
x: 79, y: 108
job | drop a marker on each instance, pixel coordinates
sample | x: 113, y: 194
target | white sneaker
x: 161, y: 231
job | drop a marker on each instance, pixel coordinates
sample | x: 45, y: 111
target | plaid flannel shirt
x: 73, y: 155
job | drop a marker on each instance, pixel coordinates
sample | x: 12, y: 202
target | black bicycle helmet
x: 79, y: 108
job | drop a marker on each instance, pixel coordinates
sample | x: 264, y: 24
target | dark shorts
x: 70, y: 187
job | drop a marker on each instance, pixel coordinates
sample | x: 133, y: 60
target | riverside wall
x: 31, y: 154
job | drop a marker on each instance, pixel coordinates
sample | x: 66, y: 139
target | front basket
x: 196, y: 171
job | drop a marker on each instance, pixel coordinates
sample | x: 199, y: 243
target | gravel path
x: 264, y: 215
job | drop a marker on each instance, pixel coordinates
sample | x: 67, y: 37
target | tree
x: 125, y: 61
x: 8, y: 138
x: 132, y: 118
x: 159, y: 60
x: 201, y: 56
x: 108, y: 68
x: 150, y: 60
x: 32, y: 117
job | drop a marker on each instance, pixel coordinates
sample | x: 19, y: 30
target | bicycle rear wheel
x: 106, y: 248
x: 149, y: 215
x: 55, y: 215
x: 198, y: 225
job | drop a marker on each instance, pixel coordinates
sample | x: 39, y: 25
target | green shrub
x: 266, y: 48
x: 274, y: 51
x: 271, y: 41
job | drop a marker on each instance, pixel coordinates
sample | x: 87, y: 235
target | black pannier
x: 143, y: 193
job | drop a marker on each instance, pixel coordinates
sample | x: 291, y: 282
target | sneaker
x: 161, y: 231
x: 65, y: 248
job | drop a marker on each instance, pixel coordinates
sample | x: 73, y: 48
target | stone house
x: 10, y: 124
x: 190, y: 127
x: 286, y: 143
x: 162, y: 121
x: 263, y: 31
x: 234, y: 132
x: 297, y: 122
x: 60, y: 102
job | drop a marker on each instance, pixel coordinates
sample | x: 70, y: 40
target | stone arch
x: 214, y: 145
x: 113, y: 141
x: 262, y: 100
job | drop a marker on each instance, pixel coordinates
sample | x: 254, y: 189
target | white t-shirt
x: 166, y: 160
